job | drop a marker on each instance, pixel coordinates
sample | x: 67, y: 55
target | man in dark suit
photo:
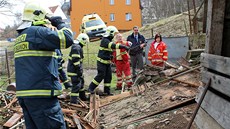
x: 136, y: 50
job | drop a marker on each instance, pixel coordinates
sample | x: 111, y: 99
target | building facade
x: 124, y: 14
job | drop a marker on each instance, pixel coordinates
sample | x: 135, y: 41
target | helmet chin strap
x: 37, y: 23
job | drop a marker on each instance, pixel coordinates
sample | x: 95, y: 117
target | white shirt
x: 155, y: 45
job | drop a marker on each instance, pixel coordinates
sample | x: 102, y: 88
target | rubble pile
x: 160, y: 98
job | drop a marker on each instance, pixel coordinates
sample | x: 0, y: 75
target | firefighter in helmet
x: 36, y: 66
x: 75, y: 69
x: 104, y: 58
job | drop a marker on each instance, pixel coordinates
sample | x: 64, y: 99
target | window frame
x: 112, y: 17
x: 128, y: 16
x: 128, y: 2
x: 111, y: 2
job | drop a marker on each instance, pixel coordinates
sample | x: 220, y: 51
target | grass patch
x: 90, y: 54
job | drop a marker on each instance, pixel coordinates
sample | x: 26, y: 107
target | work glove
x: 127, y: 48
x: 57, y: 22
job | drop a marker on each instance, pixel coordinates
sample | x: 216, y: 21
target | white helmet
x: 110, y: 31
x: 83, y: 38
x: 35, y: 11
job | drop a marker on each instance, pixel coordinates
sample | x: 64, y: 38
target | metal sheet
x: 177, y: 47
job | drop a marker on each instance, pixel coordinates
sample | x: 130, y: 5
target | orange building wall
x: 103, y: 9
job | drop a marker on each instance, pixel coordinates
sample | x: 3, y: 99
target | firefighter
x: 36, y: 66
x: 62, y: 74
x: 104, y: 56
x: 158, y: 52
x: 75, y: 69
x: 121, y: 60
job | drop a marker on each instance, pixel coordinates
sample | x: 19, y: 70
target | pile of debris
x: 160, y: 98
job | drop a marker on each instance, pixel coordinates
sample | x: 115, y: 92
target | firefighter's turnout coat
x: 104, y: 58
x: 121, y: 60
x: 158, y: 55
x: 35, y: 57
x: 75, y: 69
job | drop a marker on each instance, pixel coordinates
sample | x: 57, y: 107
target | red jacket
x: 158, y: 55
x: 121, y: 54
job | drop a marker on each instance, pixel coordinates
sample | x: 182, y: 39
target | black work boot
x: 92, y: 88
x: 82, y: 96
x: 67, y: 85
x: 74, y: 100
x: 107, y: 91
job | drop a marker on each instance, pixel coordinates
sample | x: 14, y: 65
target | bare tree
x: 6, y: 8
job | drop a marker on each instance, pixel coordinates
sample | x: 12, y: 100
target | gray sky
x: 10, y: 20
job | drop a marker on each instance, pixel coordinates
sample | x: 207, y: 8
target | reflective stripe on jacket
x: 105, y: 52
x: 121, y: 54
x: 74, y: 67
x: 159, y: 55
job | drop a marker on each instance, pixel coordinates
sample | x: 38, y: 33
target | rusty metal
x: 199, y: 104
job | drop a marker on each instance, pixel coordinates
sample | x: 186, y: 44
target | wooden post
x: 226, y: 35
x: 7, y: 66
x: 194, y: 20
x: 189, y: 17
x: 205, y: 15
x: 215, y: 24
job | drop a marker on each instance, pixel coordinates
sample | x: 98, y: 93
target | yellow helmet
x: 110, y: 31
x: 35, y: 11
x: 83, y: 38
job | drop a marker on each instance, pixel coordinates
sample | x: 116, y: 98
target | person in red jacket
x: 121, y: 60
x: 158, y: 52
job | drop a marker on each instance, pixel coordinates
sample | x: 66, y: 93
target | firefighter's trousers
x: 77, y: 85
x: 104, y: 72
x: 42, y: 113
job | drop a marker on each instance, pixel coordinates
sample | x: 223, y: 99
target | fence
x: 6, y: 65
x: 177, y: 47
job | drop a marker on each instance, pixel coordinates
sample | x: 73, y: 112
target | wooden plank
x: 68, y: 111
x: 204, y: 121
x: 218, y: 108
x: 215, y: 25
x: 13, y: 120
x: 215, y: 62
x: 110, y: 99
x: 219, y: 83
x: 77, y: 121
x: 188, y: 83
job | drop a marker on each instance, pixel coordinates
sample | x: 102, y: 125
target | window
x: 111, y: 2
x: 112, y: 17
x: 128, y: 2
x: 128, y: 16
x: 93, y: 23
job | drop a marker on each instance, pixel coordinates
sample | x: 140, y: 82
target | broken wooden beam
x: 170, y: 78
x: 68, y: 111
x: 13, y: 120
x: 115, y: 98
x: 77, y: 121
x: 12, y: 102
x: 188, y: 83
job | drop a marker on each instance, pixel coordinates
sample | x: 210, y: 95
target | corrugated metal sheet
x: 177, y: 47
